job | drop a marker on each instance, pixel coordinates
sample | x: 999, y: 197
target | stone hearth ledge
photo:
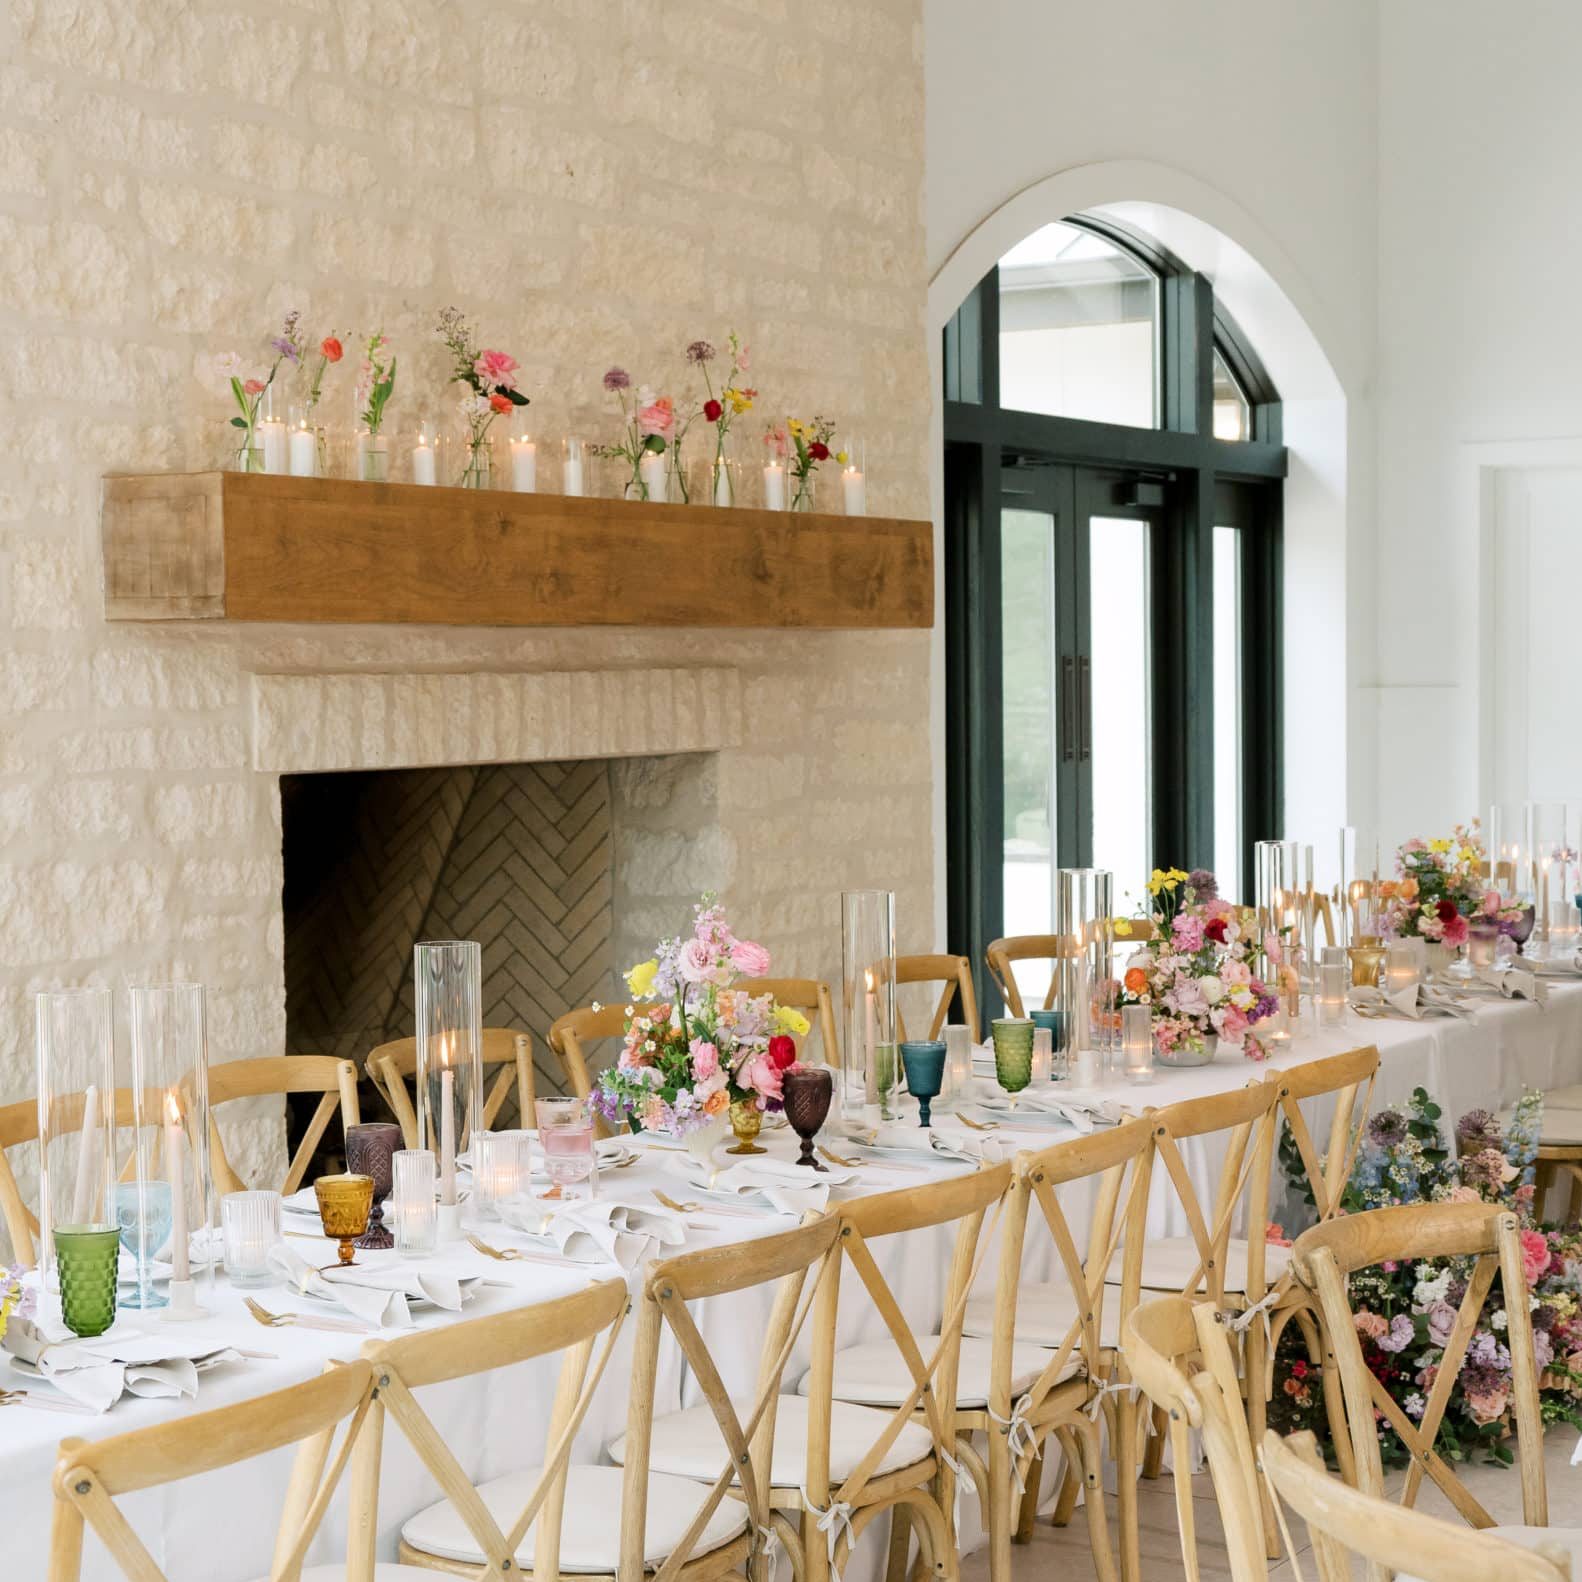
x: 413, y: 720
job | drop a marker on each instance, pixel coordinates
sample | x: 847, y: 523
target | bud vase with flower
x: 720, y: 409
x: 809, y: 445
x: 648, y: 425
x: 488, y: 380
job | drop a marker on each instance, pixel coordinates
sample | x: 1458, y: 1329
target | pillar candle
x: 422, y: 461
x: 723, y: 493
x: 304, y: 453
x: 854, y: 492
x: 571, y: 481
x: 272, y: 435
x: 651, y: 469
x: 176, y: 1168
x: 524, y: 466
x: 447, y: 1129
x: 775, y: 486
x: 87, y: 1146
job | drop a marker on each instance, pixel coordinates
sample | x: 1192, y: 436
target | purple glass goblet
x: 370, y: 1150
x: 807, y: 1091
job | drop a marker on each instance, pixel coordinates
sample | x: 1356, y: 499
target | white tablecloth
x: 221, y: 1527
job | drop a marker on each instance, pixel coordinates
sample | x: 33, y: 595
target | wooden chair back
x: 1350, y: 1078
x: 90, y: 1476
x: 785, y: 1259
x: 335, y: 1079
x: 811, y: 997
x: 20, y: 1125
x: 1247, y: 1115
x: 569, y: 1324
x: 1343, y: 1521
x: 1323, y: 1259
x: 1181, y: 1357
x: 506, y: 1051
x: 954, y: 975
x: 1003, y: 954
x: 962, y: 1201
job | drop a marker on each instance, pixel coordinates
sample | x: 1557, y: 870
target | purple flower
x: 1203, y: 884
x: 1477, y: 1130
x: 1441, y: 1322
x: 1400, y: 1335
x: 700, y: 352
x: 285, y: 348
x: 617, y: 379
x: 1387, y: 1128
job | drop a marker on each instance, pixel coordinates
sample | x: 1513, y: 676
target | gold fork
x: 878, y: 1164
x: 348, y: 1326
x: 516, y: 1255
x: 705, y: 1208
x: 977, y: 1126
x: 47, y: 1402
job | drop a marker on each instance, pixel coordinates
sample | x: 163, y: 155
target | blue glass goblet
x: 924, y: 1062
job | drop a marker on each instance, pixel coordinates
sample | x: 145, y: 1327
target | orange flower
x: 1136, y: 980
x: 718, y: 1100
x: 1408, y: 890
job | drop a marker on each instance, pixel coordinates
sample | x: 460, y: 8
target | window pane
x: 1120, y: 726
x: 1027, y: 635
x: 1077, y: 329
x: 1227, y: 713
x: 1232, y: 415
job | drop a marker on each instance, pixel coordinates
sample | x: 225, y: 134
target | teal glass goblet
x: 924, y: 1062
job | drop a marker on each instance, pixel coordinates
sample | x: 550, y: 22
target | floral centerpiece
x: 375, y: 385
x: 648, y: 424
x: 488, y: 379
x: 1440, y: 891
x: 1194, y: 975
x: 722, y: 409
x: 708, y: 1049
x: 1405, y: 1311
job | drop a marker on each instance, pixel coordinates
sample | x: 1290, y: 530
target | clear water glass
x: 499, y: 1170
x: 250, y: 1223
x: 1334, y: 987
x: 1043, y: 1054
x: 565, y: 1133
x: 414, y: 1206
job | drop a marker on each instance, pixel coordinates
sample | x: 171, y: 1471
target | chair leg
x: 1256, y: 1371
x: 998, y: 1510
x: 1085, y: 1449
x: 1029, y: 1508
x: 900, y: 1544
x: 1124, y: 1428
x: 933, y: 1534
x: 1070, y: 1488
x: 1154, y: 1455
x: 1574, y: 1204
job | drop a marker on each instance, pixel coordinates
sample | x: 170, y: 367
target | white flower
x: 1427, y: 1292
x: 1213, y: 989
x: 1499, y: 1320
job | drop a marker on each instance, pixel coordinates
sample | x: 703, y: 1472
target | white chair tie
x: 1020, y: 1439
x: 1110, y: 1387
x: 1240, y: 1323
x: 833, y: 1520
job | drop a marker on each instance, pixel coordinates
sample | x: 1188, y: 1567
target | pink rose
x: 763, y: 1076
x: 660, y: 418
x: 1373, y: 1325
x: 695, y: 962
x: 1456, y: 930
x: 1535, y: 1255
x: 750, y: 958
x: 254, y: 387
x: 705, y: 1059
x: 496, y: 369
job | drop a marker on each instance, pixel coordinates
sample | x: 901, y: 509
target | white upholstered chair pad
x: 875, y: 1374
x: 590, y: 1537
x: 1170, y: 1261
x: 688, y: 1444
x: 1044, y: 1316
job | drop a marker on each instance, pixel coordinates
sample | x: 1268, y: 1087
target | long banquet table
x: 222, y: 1526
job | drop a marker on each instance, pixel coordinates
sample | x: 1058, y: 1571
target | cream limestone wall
x: 592, y: 183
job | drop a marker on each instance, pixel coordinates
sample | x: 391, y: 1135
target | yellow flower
x: 842, y: 457
x: 790, y: 1020
x: 1439, y: 845
x: 640, y: 980
x: 1123, y: 927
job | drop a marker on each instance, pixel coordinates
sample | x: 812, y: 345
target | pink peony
x: 695, y: 962
x: 1487, y: 1407
x: 496, y: 370
x: 750, y: 958
x: 1188, y: 933
x: 1535, y: 1255
x: 705, y: 1059
x: 1374, y: 1325
x: 763, y: 1076
x: 659, y: 418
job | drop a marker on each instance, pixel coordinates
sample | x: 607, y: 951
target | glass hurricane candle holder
x: 426, y: 454
x: 958, y: 1065
x: 1137, y: 1043
x: 345, y: 1202
x: 1333, y: 988
x: 307, y: 447
x: 1085, y: 988
x: 868, y: 1063
x: 808, y: 1091
x: 574, y: 462
x: 719, y: 475
x: 272, y: 435
x: 1052, y: 1023
x: 414, y: 1203
x: 250, y: 1225
x: 854, y: 478
x: 524, y: 462
x: 499, y: 1170
x: 369, y: 1149
x: 447, y: 980
x: 74, y: 1077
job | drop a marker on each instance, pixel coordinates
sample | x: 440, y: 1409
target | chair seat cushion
x: 590, y: 1538
x: 876, y: 1374
x: 689, y: 1444
x: 1567, y: 1098
x: 1567, y: 1538
x: 1044, y: 1316
x: 1170, y: 1261
x: 384, y: 1571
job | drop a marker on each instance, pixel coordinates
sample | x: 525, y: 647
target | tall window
x: 1113, y: 475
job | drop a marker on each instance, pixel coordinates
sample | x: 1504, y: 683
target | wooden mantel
x: 246, y: 547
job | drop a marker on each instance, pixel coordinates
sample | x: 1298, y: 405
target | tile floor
x: 1058, y: 1554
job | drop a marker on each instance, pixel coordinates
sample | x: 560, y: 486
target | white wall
x: 1262, y: 121
x: 1480, y: 343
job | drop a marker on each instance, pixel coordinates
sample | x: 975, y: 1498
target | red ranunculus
x: 782, y: 1051
x: 1446, y: 910
x: 331, y: 348
x: 818, y: 450
x: 499, y: 402
x: 1215, y: 929
x: 712, y: 410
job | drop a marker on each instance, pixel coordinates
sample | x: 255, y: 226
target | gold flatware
x: 343, y: 1326
x: 705, y: 1208
x: 516, y: 1255
x: 44, y: 1402
x: 977, y: 1126
x: 877, y: 1164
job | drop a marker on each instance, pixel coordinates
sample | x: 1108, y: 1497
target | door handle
x: 1085, y: 707
x: 1068, y: 704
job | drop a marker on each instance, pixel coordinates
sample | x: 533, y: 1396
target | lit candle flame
x: 172, y: 1108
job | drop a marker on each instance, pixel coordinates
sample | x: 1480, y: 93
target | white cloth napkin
x: 1514, y: 983
x: 786, y: 1187
x: 377, y: 1293
x: 899, y: 1137
x: 1083, y: 1111
x: 601, y: 1230
x: 96, y: 1373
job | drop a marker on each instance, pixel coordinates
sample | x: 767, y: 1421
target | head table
x: 222, y: 1526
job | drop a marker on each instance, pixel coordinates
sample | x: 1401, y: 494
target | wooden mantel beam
x: 247, y: 547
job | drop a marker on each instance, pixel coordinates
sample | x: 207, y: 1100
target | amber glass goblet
x: 807, y: 1091
x: 345, y: 1202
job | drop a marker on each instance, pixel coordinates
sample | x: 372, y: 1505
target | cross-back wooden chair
x: 1325, y: 1256
x: 1181, y: 1357
x: 754, y: 1450
x: 811, y: 997
x: 1003, y: 954
x: 506, y: 1051
x: 19, y: 1125
x: 954, y: 975
x: 553, y: 1516
x: 335, y: 1079
x: 1077, y: 1318
x: 89, y: 1477
x: 1343, y: 1521
x: 917, y: 1380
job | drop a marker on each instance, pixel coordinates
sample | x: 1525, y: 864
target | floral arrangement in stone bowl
x: 1441, y: 891
x: 1194, y: 974
x: 1405, y: 1312
x: 708, y: 1046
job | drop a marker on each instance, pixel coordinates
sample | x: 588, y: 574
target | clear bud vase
x: 478, y: 462
x: 801, y: 491
x: 718, y: 482
x: 373, y: 457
